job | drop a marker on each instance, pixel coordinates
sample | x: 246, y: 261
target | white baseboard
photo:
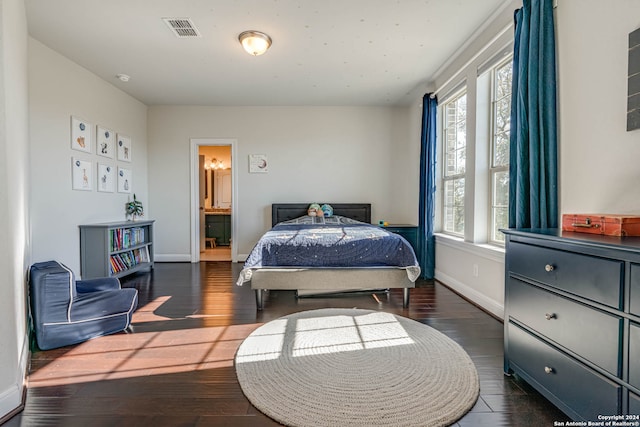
x: 186, y: 257
x: 11, y: 398
x: 471, y: 294
x: 172, y: 258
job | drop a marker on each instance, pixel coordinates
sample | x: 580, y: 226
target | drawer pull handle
x: 549, y: 316
x: 549, y: 267
x: 548, y: 370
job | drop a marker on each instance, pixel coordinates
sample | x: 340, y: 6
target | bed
x: 326, y: 255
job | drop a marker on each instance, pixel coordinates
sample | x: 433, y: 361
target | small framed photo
x: 80, y: 134
x: 124, y: 180
x: 105, y: 139
x: 124, y: 148
x: 106, y: 178
x: 258, y: 163
x: 81, y: 174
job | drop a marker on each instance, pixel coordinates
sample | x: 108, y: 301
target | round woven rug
x: 350, y: 367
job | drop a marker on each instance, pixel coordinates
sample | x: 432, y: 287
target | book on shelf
x: 126, y: 260
x: 123, y: 238
x: 142, y: 255
x: 116, y: 264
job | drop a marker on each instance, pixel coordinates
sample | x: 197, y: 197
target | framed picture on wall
x: 81, y: 174
x: 106, y: 178
x: 258, y: 163
x: 124, y: 148
x: 105, y: 142
x: 124, y: 180
x: 80, y: 134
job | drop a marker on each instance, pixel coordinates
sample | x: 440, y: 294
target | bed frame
x: 286, y: 211
x: 310, y: 281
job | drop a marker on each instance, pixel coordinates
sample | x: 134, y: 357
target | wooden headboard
x: 285, y: 211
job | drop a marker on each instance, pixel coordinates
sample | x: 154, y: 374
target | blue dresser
x: 572, y: 319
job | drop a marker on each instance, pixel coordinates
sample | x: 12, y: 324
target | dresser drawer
x: 634, y: 404
x: 586, y: 392
x: 591, y: 333
x: 634, y: 290
x: 597, y: 279
x: 634, y: 355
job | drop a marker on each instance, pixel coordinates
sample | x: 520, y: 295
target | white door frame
x: 195, y: 202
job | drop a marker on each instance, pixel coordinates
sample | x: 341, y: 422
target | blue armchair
x: 66, y: 311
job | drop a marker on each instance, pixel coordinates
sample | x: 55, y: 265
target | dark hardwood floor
x: 176, y: 368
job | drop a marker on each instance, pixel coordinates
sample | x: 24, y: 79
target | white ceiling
x: 324, y: 52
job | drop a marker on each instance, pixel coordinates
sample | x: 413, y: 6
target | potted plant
x: 134, y: 208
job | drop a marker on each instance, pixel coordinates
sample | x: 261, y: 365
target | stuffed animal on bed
x: 314, y: 210
x: 327, y: 210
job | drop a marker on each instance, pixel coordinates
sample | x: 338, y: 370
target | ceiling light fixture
x: 255, y: 42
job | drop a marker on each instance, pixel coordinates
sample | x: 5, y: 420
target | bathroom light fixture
x: 216, y: 164
x: 255, y: 42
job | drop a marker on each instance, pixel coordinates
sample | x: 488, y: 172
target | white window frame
x: 493, y: 168
x: 471, y: 71
x: 445, y: 178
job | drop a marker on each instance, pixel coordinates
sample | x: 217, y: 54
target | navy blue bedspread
x: 330, y: 242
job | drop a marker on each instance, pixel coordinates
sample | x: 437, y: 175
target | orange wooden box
x: 606, y: 224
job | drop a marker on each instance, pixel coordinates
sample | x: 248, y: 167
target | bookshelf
x: 116, y: 249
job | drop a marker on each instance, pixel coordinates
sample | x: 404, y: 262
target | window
x: 455, y: 153
x: 473, y: 143
x: 474, y: 124
x: 499, y: 162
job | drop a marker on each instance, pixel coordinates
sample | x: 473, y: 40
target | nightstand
x: 408, y: 231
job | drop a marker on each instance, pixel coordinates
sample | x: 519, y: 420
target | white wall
x: 405, y: 166
x: 599, y: 169
x: 59, y: 89
x: 14, y: 203
x: 324, y: 154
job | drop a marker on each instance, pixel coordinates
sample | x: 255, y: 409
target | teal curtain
x: 426, y: 241
x: 533, y: 170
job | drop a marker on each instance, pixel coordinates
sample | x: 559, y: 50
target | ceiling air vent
x: 182, y: 27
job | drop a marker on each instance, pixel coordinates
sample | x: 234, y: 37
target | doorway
x: 213, y: 200
x: 215, y: 164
